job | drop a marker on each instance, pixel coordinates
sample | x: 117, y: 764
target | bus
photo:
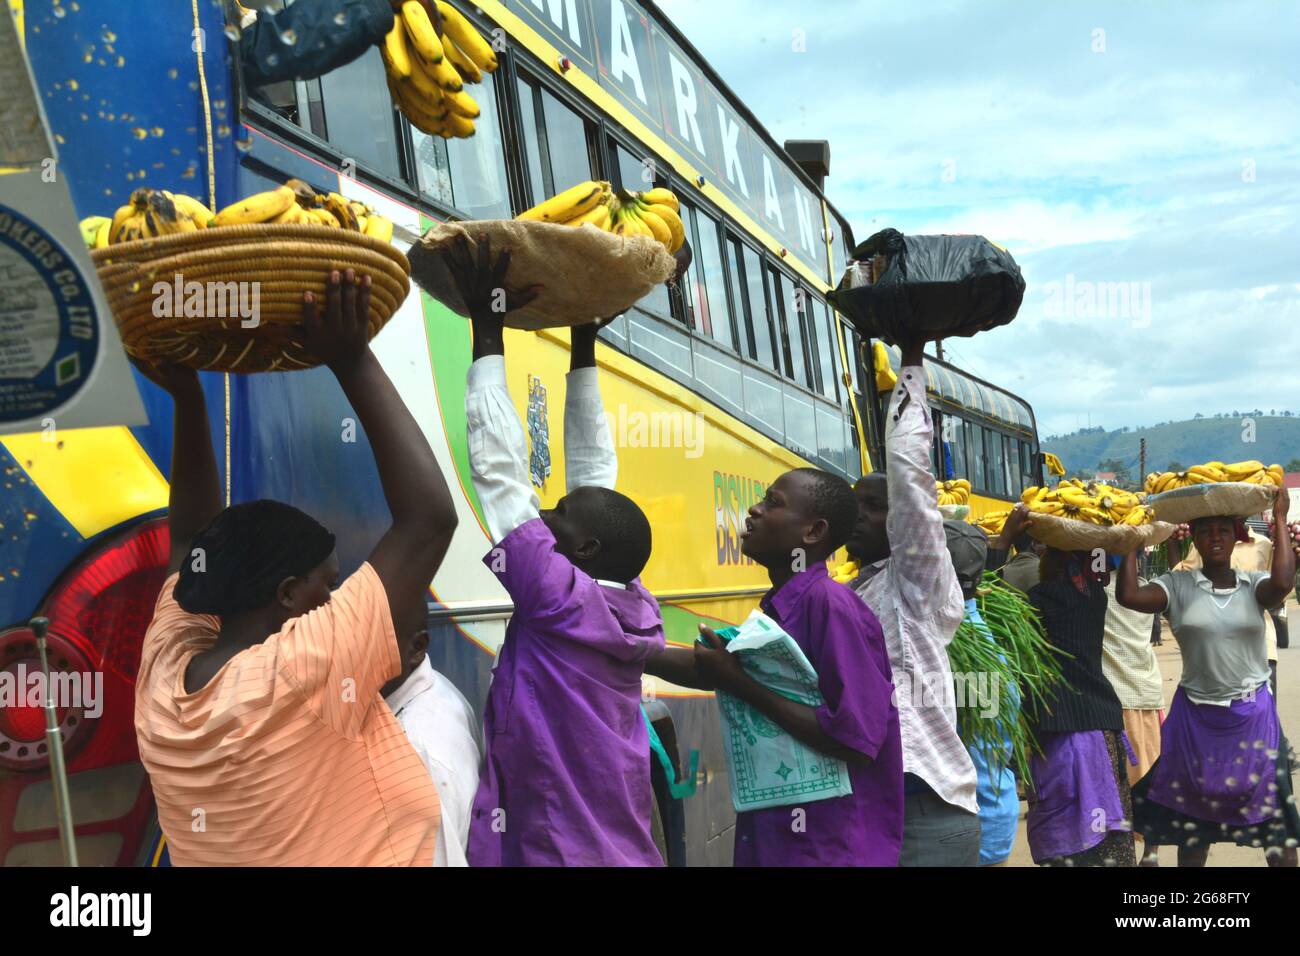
x: 713, y: 389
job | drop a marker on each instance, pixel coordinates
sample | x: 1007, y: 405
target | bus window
x: 978, y: 477
x: 713, y: 316
x: 996, y: 463
x: 827, y: 351
x: 359, y: 114
x: 791, y: 325
x: 955, y: 429
x: 760, y: 322
x: 468, y: 175
x: 1027, y: 476
x: 555, y: 141
x: 852, y: 342
x: 736, y: 284
x: 630, y: 174
x: 1013, y: 465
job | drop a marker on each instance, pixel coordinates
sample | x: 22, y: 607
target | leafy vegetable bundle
x: 1019, y: 662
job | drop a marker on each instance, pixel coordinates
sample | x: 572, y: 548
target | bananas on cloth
x: 953, y: 492
x: 427, y: 71
x: 1248, y: 472
x: 1092, y: 502
x: 651, y: 213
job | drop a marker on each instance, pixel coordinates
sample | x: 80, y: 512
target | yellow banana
x: 597, y: 216
x: 257, y: 208
x: 397, y: 55
x: 569, y: 204
x: 101, y: 235
x: 659, y: 195
x: 464, y: 35
x: 379, y: 227
x: 462, y: 104
x: 629, y: 225
x: 675, y: 228
x: 119, y: 221
x: 654, y: 224
x: 190, y: 207
x: 1242, y: 470
x: 339, y: 207
x: 458, y: 126
x: 466, y: 67
x: 419, y: 28
x: 91, y: 226
x: 295, y: 215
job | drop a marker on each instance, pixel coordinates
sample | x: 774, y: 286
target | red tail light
x: 98, y: 612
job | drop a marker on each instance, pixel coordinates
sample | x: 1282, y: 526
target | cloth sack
x: 586, y: 273
x: 1229, y: 499
x: 1072, y: 534
x: 770, y: 768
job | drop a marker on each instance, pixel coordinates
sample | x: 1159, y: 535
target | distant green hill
x: 1276, y: 439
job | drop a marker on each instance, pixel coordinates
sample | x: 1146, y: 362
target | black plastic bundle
x: 933, y: 287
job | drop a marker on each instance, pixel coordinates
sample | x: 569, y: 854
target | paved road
x: 1288, y: 697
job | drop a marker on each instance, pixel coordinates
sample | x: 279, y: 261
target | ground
x: 1288, y: 700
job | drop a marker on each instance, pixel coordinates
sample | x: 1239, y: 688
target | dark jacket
x: 310, y: 38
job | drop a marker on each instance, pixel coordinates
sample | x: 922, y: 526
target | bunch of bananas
x: 953, y: 492
x: 427, y: 72
x: 296, y: 202
x: 147, y: 214
x: 1251, y: 472
x: 846, y: 572
x: 991, y: 522
x: 651, y: 213
x: 1092, y: 501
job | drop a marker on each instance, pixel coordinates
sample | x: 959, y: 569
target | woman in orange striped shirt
x: 258, y: 712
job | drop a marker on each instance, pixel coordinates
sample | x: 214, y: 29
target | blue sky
x: 1142, y: 152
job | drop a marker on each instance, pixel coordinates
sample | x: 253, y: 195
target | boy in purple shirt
x: 566, y: 776
x: 806, y: 515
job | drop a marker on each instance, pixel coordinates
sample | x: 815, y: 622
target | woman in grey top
x: 1223, y: 773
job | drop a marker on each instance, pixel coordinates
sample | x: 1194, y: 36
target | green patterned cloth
x: 769, y: 768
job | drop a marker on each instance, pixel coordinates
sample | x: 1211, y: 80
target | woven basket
x: 283, y: 260
x: 1072, y: 534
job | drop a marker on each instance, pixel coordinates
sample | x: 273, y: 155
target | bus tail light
x: 98, y: 612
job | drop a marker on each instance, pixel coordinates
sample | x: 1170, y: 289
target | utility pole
x: 1142, y: 460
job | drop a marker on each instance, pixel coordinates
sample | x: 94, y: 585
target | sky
x: 1140, y: 161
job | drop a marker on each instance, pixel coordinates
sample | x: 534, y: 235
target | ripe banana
x: 464, y: 35
x: 462, y: 104
x: 397, y: 55
x: 341, y: 209
x: 652, y: 222
x: 569, y: 204
x: 258, y: 208
x: 294, y: 215
x: 190, y: 207
x: 597, y: 216
x: 91, y: 227
x: 379, y: 227
x: 459, y: 126
x: 466, y: 67
x: 419, y: 28
x: 661, y: 195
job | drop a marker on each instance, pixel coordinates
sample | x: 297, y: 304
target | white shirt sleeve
x: 497, y: 450
x: 589, y: 456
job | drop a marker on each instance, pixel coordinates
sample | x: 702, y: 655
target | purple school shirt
x: 843, y: 641
x: 566, y: 772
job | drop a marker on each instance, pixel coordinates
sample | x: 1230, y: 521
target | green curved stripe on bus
x: 450, y: 362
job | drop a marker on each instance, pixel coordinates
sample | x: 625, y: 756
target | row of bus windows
x: 733, y: 295
x: 995, y: 463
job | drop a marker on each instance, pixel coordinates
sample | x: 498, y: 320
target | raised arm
x: 1148, y: 598
x: 195, y: 495
x: 497, y: 444
x: 1281, y: 579
x: 422, y: 509
x: 918, y: 547
x: 589, y: 456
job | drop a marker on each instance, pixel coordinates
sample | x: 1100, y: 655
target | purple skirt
x: 1077, y: 800
x: 1222, y: 775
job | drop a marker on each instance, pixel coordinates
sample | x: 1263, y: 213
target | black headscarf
x: 247, y: 550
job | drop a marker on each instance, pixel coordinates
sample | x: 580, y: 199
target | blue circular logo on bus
x: 49, y: 336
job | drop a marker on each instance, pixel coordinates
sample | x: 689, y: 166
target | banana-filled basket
x: 1091, y: 516
x: 594, y: 251
x: 1236, y: 490
x: 230, y: 298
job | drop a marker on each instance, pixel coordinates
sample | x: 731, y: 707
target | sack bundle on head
x: 585, y: 273
x: 1071, y: 534
x: 1227, y: 499
x: 929, y: 286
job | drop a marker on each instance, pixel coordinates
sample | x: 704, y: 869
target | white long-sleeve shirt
x: 444, y: 731
x: 498, y: 448
x: 915, y: 594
